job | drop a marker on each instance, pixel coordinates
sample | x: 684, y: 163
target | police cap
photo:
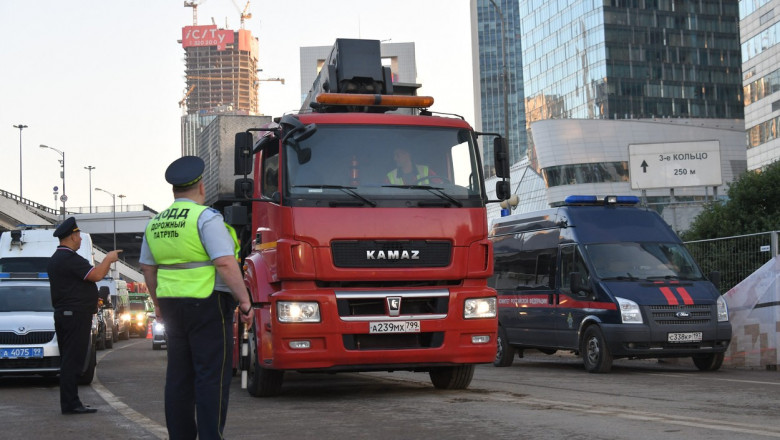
x: 66, y: 228
x: 185, y: 171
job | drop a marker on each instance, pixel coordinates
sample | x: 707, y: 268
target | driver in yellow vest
x: 409, y: 173
x: 189, y: 261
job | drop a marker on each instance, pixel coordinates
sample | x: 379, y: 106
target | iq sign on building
x: 675, y: 164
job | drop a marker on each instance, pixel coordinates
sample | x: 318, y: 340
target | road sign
x: 63, y: 198
x: 675, y: 164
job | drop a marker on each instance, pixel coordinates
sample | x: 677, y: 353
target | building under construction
x: 221, y: 79
x: 221, y: 70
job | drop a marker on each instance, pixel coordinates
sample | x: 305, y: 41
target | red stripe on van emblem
x: 670, y: 298
x: 685, y: 296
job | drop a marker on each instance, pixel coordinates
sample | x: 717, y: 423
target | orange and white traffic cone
x: 149, y: 331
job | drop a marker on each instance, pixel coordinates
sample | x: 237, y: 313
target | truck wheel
x: 452, y: 378
x: 505, y: 353
x: 595, y: 353
x: 708, y: 362
x: 89, y: 374
x: 261, y: 382
x: 115, y: 334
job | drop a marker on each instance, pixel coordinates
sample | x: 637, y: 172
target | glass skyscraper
x: 630, y: 59
x: 491, y: 71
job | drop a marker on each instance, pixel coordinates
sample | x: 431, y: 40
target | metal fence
x: 734, y: 257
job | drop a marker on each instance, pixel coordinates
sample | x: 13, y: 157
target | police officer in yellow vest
x: 188, y: 258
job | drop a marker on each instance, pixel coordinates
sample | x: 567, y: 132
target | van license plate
x: 394, y: 327
x: 685, y: 337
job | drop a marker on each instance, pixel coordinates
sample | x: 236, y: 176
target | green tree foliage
x: 753, y: 206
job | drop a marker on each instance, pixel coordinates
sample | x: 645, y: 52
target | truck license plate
x: 394, y: 327
x: 21, y: 352
x: 685, y: 337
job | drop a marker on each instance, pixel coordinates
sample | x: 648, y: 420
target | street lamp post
x: 113, y: 200
x: 63, y: 197
x: 20, y: 127
x: 121, y: 205
x: 505, y: 72
x: 90, y: 168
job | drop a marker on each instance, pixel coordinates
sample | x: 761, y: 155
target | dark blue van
x: 605, y: 279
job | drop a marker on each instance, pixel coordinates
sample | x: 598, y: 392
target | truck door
x: 570, y: 306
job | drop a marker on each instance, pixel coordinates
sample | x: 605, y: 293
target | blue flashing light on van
x: 606, y: 279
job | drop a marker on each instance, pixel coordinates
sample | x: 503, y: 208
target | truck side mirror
x: 501, y: 157
x: 503, y: 191
x: 243, y: 153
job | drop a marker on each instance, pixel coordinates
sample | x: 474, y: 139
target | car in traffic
x: 159, y: 337
x: 141, y: 311
x: 28, y: 342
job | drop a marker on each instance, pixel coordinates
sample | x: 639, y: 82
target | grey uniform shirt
x: 213, y: 234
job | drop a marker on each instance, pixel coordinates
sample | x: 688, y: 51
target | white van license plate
x: 394, y: 327
x: 685, y: 337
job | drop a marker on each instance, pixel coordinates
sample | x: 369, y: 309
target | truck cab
x: 605, y: 279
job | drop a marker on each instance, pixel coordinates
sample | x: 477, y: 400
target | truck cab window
x: 270, y: 178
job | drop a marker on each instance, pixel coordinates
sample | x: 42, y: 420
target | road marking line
x: 154, y: 428
x: 709, y: 379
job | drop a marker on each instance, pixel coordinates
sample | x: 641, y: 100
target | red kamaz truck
x: 364, y: 229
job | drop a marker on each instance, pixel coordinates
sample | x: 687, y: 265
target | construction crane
x: 181, y: 103
x: 281, y: 80
x: 194, y: 5
x: 245, y: 14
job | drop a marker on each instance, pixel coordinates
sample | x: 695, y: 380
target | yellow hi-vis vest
x: 184, y: 268
x: 422, y: 173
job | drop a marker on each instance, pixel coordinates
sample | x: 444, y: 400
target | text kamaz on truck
x: 359, y: 260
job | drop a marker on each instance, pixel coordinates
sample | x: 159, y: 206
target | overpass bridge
x: 107, y: 226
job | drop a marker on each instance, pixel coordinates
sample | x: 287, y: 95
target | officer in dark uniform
x: 74, y: 296
x: 188, y: 258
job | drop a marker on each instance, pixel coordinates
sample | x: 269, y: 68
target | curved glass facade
x: 580, y: 173
x: 620, y: 59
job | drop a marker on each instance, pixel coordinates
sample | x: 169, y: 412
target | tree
x: 753, y: 206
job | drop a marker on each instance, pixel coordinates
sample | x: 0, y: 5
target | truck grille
x: 420, y: 304
x: 391, y: 254
x: 11, y: 338
x: 394, y: 341
x: 698, y: 314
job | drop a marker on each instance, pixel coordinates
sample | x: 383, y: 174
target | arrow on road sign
x: 644, y: 166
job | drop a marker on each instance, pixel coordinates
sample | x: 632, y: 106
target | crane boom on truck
x: 364, y: 233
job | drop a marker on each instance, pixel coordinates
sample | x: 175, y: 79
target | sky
x: 100, y: 80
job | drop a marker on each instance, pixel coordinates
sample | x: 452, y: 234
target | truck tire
x: 261, y: 382
x: 708, y: 362
x: 452, y: 378
x: 505, y: 353
x: 89, y: 374
x: 595, y: 353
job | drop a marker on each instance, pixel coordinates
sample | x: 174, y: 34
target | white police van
x: 605, y: 279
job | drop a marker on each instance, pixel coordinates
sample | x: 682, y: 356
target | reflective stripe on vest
x: 184, y: 268
x: 422, y: 173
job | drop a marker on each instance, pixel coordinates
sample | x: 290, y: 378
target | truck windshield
x: 368, y: 165
x: 25, y: 299
x: 642, y: 261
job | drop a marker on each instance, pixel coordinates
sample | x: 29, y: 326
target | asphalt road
x: 540, y: 397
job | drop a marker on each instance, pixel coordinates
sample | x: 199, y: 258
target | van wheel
x: 708, y: 362
x: 595, y: 353
x: 505, y: 353
x: 452, y: 378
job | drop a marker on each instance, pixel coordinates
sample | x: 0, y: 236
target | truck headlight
x: 629, y: 311
x: 125, y: 317
x: 295, y: 311
x: 479, y: 308
x: 723, y: 310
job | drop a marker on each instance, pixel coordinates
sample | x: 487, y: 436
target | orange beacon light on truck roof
x: 375, y: 100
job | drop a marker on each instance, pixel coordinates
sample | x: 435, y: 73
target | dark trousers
x: 200, y: 350
x: 73, y: 329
